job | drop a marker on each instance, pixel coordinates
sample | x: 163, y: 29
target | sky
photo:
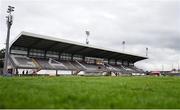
x: 152, y: 24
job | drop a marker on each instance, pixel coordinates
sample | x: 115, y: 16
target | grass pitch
x: 89, y: 92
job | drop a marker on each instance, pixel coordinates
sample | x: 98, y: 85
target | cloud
x: 141, y: 23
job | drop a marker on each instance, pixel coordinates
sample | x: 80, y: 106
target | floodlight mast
x: 87, y: 33
x: 147, y: 52
x: 123, y: 44
x: 9, y: 23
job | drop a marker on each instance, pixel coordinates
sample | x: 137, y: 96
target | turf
x: 89, y: 92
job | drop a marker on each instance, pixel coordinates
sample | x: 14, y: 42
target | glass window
x: 78, y: 57
x: 19, y: 50
x: 106, y: 60
x: 94, y: 60
x: 131, y: 64
x: 119, y: 62
x: 65, y: 56
x: 125, y: 63
x: 112, y: 61
x: 36, y: 53
x: 52, y: 54
x: 90, y: 60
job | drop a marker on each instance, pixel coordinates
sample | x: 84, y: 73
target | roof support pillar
x: 108, y: 61
x: 72, y: 55
x: 45, y: 52
x: 28, y: 52
x: 83, y: 58
x: 59, y: 56
x: 115, y: 61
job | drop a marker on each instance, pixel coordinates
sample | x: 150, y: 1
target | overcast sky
x: 141, y: 23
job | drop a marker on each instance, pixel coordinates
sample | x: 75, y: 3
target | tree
x: 2, y: 54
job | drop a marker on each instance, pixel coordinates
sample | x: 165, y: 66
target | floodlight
x: 9, y: 23
x: 87, y: 33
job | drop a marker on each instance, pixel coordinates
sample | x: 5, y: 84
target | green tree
x: 2, y: 53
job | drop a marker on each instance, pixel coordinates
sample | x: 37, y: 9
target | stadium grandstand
x: 34, y: 53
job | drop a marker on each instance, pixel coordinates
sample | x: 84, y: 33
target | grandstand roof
x: 36, y: 41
